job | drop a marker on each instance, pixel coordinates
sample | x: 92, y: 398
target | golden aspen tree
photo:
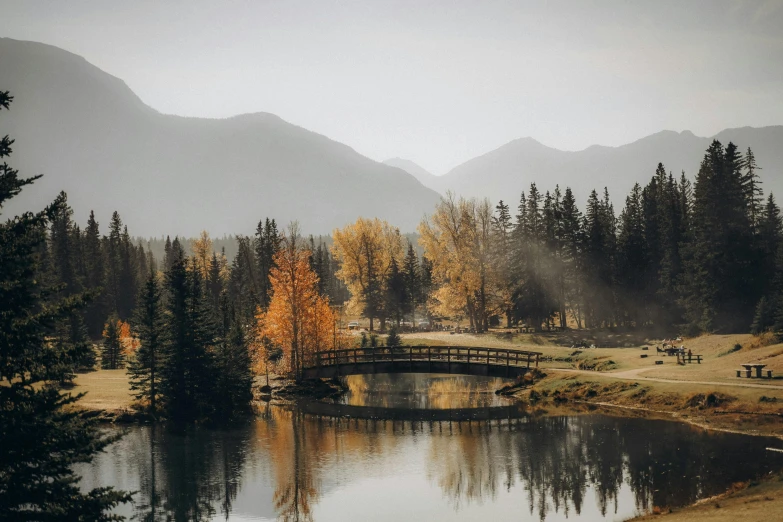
x: 365, y: 251
x: 202, y: 252
x: 299, y: 320
x: 457, y: 239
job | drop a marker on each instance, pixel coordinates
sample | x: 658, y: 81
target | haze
x: 432, y: 84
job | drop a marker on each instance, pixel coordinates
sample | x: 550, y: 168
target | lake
x: 419, y: 447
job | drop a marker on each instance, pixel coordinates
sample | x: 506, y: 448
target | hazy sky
x: 437, y: 82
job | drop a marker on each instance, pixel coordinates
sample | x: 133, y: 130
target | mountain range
x: 94, y: 138
x: 91, y: 136
x: 505, y: 172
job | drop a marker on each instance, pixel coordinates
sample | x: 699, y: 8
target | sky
x: 441, y: 82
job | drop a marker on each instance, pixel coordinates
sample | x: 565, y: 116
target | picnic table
x: 749, y: 367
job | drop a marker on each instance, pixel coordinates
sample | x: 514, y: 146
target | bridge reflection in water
x: 497, y: 415
x: 491, y: 362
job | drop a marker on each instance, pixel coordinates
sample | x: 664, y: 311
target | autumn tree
x: 365, y: 251
x: 457, y: 240
x: 202, y: 252
x: 298, y: 319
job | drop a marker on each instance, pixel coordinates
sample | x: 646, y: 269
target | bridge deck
x: 493, y: 362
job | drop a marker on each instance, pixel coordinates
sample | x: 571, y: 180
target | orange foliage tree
x: 299, y: 319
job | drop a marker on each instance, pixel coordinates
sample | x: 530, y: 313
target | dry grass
x: 762, y: 501
x: 106, y: 390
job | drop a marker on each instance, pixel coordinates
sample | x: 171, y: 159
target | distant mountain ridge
x: 508, y: 170
x: 94, y: 138
x: 425, y: 177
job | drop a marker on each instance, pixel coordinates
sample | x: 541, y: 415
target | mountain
x: 505, y: 172
x: 425, y: 177
x: 94, y: 138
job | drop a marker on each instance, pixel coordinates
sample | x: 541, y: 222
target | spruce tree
x: 412, y: 280
x: 267, y: 243
x: 149, y: 322
x: 234, y: 379
x: 396, y: 302
x: 40, y: 441
x: 112, y: 354
x: 188, y: 372
x: 95, y: 274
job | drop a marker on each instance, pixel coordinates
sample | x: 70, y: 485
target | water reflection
x: 288, y: 464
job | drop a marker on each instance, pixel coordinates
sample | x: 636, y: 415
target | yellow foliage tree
x: 457, y: 239
x: 202, y: 252
x: 365, y: 250
x: 299, y: 319
x: 128, y: 340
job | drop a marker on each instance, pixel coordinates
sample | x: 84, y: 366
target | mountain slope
x: 94, y: 138
x: 424, y: 176
x: 505, y: 172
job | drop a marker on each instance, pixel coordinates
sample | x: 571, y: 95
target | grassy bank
x: 744, y: 501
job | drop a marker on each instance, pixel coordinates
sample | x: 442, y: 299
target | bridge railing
x: 450, y: 354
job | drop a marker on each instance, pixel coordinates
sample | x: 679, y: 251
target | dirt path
x: 634, y: 375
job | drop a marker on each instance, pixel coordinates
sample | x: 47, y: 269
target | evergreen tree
x: 632, y: 259
x: 112, y: 353
x: 145, y: 366
x: 214, y: 282
x: 234, y: 378
x: 128, y: 286
x: 266, y: 246
x: 571, y: 237
x: 393, y: 340
x: 187, y: 374
x: 599, y: 262
x: 502, y: 229
x: 94, y: 281
x: 397, y: 302
x: 412, y: 281
x: 40, y: 441
x: 243, y: 281
x: 719, y: 285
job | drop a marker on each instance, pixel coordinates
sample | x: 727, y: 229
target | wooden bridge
x: 491, y: 362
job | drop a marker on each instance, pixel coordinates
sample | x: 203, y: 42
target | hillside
x: 424, y: 176
x: 504, y: 172
x: 94, y: 138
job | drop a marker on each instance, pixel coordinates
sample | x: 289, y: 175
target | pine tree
x: 632, y: 265
x: 95, y: 313
x: 393, y: 340
x: 149, y: 322
x: 188, y: 372
x: 412, y: 281
x: 234, y: 378
x: 128, y: 285
x: 40, y: 441
x: 112, y: 353
x: 502, y: 229
x: 396, y: 303
x: 571, y: 237
x: 243, y: 285
x: 267, y: 244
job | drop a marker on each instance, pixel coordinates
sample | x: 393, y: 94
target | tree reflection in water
x: 557, y: 464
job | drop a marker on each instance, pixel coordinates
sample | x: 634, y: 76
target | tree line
x: 695, y: 257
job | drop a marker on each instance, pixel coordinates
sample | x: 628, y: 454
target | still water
x: 412, y: 449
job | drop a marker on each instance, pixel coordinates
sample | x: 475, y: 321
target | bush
x: 393, y: 339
